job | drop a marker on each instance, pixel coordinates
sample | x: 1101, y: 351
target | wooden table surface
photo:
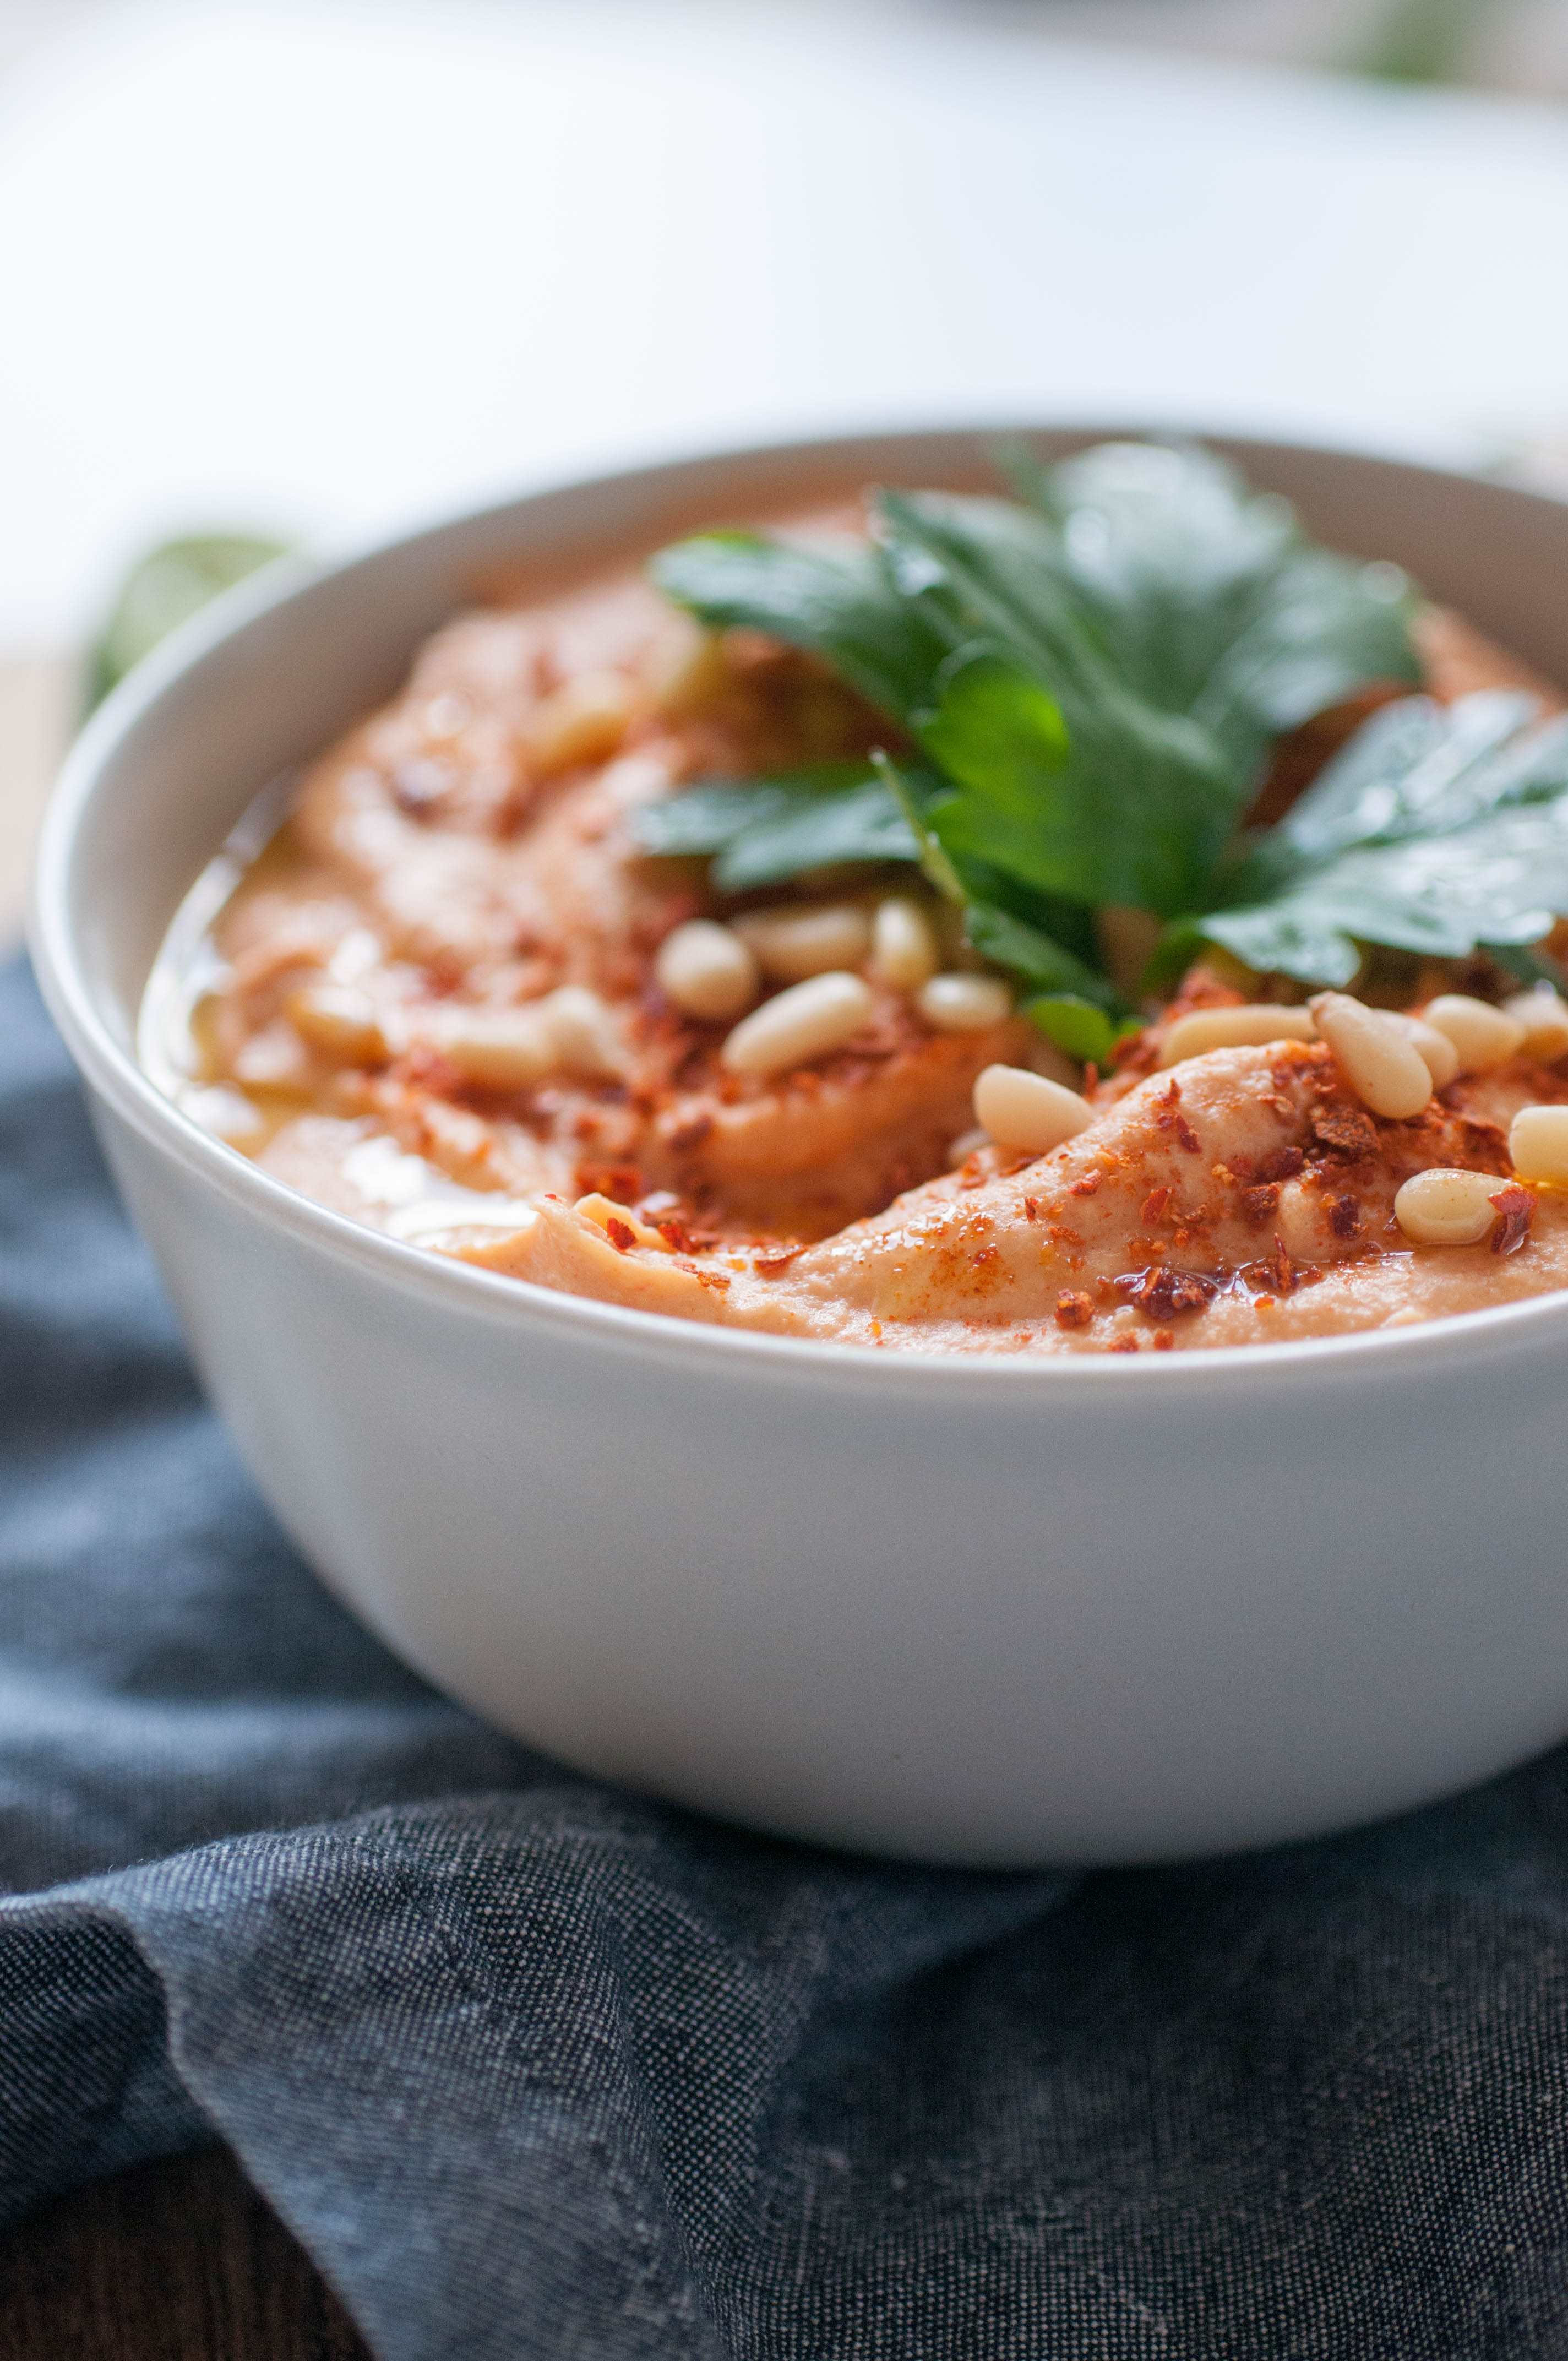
x: 181, y: 2260
x: 176, y: 2261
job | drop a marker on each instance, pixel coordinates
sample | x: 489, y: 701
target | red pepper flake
x: 620, y: 1236
x: 1031, y: 1209
x: 768, y: 1266
x: 1283, y: 1165
x: 1188, y: 1136
x: 1346, y: 1130
x: 1162, y: 1294
x: 1165, y: 1340
x: 717, y: 1280
x: 1124, y: 1345
x: 1087, y: 1186
x: 1345, y: 1217
x: 621, y: 1184
x: 1284, y: 1270
x: 1263, y: 1302
x: 1513, y: 1207
x: 1074, y: 1309
x: 1154, y: 1206
x: 876, y: 1332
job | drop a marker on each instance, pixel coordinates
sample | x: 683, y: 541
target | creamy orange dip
x: 431, y: 998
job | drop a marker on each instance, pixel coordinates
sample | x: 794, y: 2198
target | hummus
x: 431, y: 999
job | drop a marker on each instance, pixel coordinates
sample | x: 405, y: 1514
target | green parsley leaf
x: 1437, y: 830
x: 1207, y: 594
x: 1035, y: 958
x: 760, y: 830
x: 835, y: 602
x: 861, y: 823
x: 1084, y: 1031
x: 1094, y: 674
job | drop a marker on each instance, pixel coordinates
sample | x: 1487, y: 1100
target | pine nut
x: 692, y: 672
x: 1544, y: 1015
x: 805, y: 1022
x: 1023, y: 1110
x: 500, y: 1048
x: 581, y: 1030
x: 1483, y: 1036
x: 706, y: 971
x: 1447, y: 1208
x: 789, y: 945
x: 1249, y: 1027
x: 340, y: 1022
x: 582, y: 721
x: 1300, y: 1222
x: 1435, y: 1049
x: 904, y: 948
x: 1537, y: 1142
x: 1375, y: 1054
x: 963, y: 1003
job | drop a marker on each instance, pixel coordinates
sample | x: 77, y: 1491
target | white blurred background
x: 316, y: 269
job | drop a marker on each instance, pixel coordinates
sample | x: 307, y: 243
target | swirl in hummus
x: 454, y: 995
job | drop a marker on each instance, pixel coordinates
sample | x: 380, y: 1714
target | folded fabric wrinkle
x: 536, y: 2068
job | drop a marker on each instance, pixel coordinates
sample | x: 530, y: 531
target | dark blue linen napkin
x: 536, y: 2069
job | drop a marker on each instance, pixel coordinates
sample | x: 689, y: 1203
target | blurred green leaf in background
x: 1421, y: 40
x: 164, y: 590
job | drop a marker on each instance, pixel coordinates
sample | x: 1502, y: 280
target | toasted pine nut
x: 691, y: 673
x: 904, y: 948
x: 1248, y: 1027
x: 1435, y: 1049
x: 959, y: 1150
x: 582, y: 721
x: 340, y: 1022
x: 790, y: 944
x: 581, y: 1031
x: 963, y: 1003
x: 1537, y: 1142
x: 1023, y: 1110
x: 1443, y: 1208
x: 1376, y: 1055
x: 805, y: 1022
x: 1483, y: 1036
x: 1300, y: 1222
x: 500, y: 1048
x: 706, y: 971
x: 1544, y: 1015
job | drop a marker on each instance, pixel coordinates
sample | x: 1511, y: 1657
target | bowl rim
x: 461, y: 1289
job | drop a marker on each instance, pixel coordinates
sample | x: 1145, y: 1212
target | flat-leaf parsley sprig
x: 1091, y: 677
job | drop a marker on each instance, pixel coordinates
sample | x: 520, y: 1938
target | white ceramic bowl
x: 1092, y: 1609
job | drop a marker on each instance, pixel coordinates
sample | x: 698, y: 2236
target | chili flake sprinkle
x: 1513, y: 1207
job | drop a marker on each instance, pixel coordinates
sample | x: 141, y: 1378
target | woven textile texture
x: 536, y: 2069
